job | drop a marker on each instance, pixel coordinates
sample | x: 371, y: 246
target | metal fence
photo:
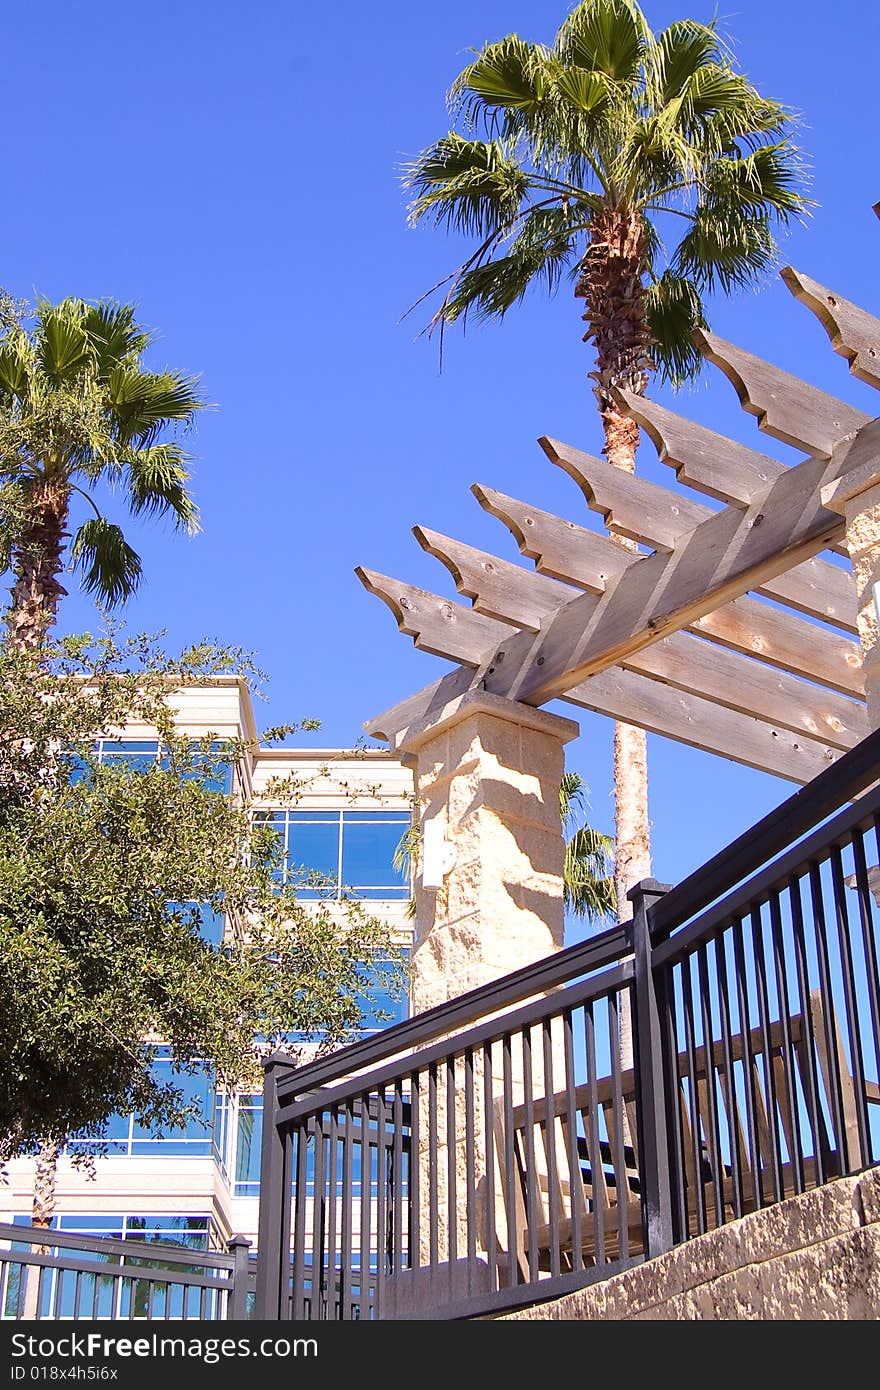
x: 62, y: 1275
x: 714, y: 1055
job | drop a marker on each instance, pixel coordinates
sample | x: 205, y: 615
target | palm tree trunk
x: 611, y: 283
x: 45, y: 1175
x: 36, y: 563
x: 37, y: 560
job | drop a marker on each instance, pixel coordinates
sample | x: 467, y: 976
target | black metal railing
x: 61, y: 1274
x: 719, y: 1052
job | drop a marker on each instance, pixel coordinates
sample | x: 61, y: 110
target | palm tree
x: 587, y: 876
x: 648, y: 168
x: 78, y: 406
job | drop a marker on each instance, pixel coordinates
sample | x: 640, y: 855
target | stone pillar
x: 488, y: 900
x: 862, y: 513
x: 487, y: 776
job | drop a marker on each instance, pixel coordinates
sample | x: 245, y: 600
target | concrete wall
x: 811, y: 1257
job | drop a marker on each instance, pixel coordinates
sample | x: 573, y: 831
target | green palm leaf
x: 109, y: 567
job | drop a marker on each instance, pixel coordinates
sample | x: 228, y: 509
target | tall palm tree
x: 648, y: 168
x: 77, y: 406
x: 587, y: 876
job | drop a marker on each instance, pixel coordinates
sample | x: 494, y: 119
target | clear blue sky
x: 234, y: 170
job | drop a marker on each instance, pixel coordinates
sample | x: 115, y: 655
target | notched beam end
x: 854, y: 333
x: 384, y: 588
x: 442, y: 548
x: 579, y: 467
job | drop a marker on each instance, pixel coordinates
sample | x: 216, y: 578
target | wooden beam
x: 724, y: 556
x: 711, y: 463
x: 618, y: 694
x: 592, y: 562
x: 515, y: 596
x: 854, y: 333
x: 654, y: 515
x: 786, y: 407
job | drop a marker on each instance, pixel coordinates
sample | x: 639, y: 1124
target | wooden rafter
x: 671, y: 640
x: 854, y: 333
x: 592, y: 562
x: 460, y: 634
x: 786, y: 407
x: 507, y: 592
x: 655, y: 516
x: 722, y: 558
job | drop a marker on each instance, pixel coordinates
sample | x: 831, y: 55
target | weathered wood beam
x: 592, y: 562
x: 721, y: 559
x: 515, y: 596
x: 654, y: 515
x: 854, y: 333
x: 786, y: 407
x: 618, y: 694
x: 711, y: 463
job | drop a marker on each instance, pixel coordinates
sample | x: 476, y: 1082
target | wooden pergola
x: 671, y: 640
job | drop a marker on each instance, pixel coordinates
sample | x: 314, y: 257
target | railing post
x: 651, y: 1074
x: 239, y: 1248
x: 273, y: 1240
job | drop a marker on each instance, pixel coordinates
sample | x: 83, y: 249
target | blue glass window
x: 383, y: 998
x: 351, y: 851
x: 127, y: 1138
x: 247, y: 1146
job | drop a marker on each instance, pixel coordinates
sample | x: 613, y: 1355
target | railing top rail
x: 774, y: 877
x: 423, y: 1028
x: 133, y: 1249
x: 31, y: 1259
x: 489, y: 1031
x: 808, y: 807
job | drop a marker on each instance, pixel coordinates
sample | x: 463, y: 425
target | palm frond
x: 157, y: 485
x: 14, y: 365
x: 725, y: 249
x: 144, y: 403
x: 606, y: 36
x: 63, y: 347
x: 108, y: 565
x: 509, y: 75
x: 674, y: 309
x: 471, y: 186
x: 114, y: 333
x: 539, y: 253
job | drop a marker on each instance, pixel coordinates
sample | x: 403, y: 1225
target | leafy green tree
x: 104, y: 875
x: 77, y: 407
x: 648, y: 169
x: 588, y: 877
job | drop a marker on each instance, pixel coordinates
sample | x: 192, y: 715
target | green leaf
x: 157, y: 479
x: 108, y: 565
x: 674, y: 309
x: 63, y: 348
x: 604, y: 36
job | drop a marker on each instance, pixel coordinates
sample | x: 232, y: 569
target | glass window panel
x: 220, y: 779
x: 198, y: 1088
x: 313, y: 848
x: 382, y: 998
x: 247, y: 1155
x: 368, y: 846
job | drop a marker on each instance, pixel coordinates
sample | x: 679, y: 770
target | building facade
x: 352, y: 807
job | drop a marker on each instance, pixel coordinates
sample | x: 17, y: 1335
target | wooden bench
x: 746, y: 1093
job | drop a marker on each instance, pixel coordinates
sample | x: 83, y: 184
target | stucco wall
x: 816, y: 1256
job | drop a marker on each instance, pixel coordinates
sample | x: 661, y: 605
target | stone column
x: 862, y: 512
x: 487, y: 775
x: 488, y: 900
